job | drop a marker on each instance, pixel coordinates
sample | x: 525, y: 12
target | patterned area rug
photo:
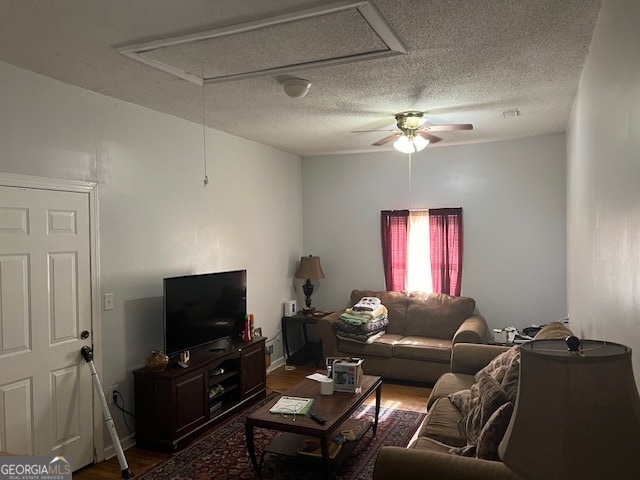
x: 222, y: 454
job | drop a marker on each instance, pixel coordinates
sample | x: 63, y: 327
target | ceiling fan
x: 413, y: 135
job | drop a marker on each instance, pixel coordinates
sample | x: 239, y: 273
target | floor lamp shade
x: 577, y: 414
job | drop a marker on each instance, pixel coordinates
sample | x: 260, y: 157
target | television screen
x: 201, y: 309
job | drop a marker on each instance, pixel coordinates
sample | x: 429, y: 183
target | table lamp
x: 577, y: 413
x: 309, y: 269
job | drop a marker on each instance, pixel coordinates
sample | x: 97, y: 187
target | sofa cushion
x: 436, y: 315
x: 381, y: 347
x: 441, y: 424
x: 396, y: 303
x: 423, y: 348
x: 426, y: 443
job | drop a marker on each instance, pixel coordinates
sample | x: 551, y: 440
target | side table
x: 310, y: 350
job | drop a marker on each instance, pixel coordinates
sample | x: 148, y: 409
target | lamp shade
x: 577, y: 414
x: 310, y: 268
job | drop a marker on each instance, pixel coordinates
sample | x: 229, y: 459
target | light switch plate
x: 108, y: 301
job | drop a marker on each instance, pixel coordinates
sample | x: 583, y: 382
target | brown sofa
x: 440, y: 450
x: 417, y: 345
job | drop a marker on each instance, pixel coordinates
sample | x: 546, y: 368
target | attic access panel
x: 333, y: 34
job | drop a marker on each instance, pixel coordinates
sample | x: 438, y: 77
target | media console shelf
x: 175, y: 405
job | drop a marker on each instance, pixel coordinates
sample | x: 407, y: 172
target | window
x: 422, y: 249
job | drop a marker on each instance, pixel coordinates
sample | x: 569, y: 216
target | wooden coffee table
x: 335, y: 409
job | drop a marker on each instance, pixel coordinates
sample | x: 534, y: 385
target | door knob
x: 84, y: 334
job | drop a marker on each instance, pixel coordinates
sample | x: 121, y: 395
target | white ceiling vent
x: 333, y: 34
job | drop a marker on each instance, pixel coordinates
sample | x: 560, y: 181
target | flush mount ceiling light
x: 295, y: 87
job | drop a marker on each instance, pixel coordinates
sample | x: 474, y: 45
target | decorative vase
x: 156, y: 361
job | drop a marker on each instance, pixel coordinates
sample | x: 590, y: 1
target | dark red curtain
x: 394, y: 227
x: 445, y: 225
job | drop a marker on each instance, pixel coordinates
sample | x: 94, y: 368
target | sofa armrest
x: 469, y: 358
x: 327, y: 335
x: 473, y: 330
x: 396, y: 462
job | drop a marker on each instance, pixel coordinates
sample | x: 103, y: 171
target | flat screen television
x: 202, y: 309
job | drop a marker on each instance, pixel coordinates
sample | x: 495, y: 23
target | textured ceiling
x: 466, y: 61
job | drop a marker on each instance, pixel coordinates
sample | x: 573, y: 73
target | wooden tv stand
x: 175, y: 405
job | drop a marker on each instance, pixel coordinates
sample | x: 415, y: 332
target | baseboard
x: 275, y: 364
x: 126, y: 443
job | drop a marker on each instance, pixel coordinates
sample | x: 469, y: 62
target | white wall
x: 604, y: 184
x: 513, y: 199
x: 155, y: 217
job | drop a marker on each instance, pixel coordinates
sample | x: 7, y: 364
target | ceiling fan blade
x: 383, y: 130
x: 428, y: 136
x: 386, y: 139
x: 448, y: 128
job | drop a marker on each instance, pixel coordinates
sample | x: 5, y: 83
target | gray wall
x: 155, y: 217
x: 604, y: 184
x: 513, y: 199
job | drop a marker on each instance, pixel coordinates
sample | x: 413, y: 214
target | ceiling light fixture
x: 295, y: 87
x: 409, y: 143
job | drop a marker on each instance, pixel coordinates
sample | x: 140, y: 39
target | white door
x: 45, y: 305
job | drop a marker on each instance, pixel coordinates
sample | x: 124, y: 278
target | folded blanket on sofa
x: 358, y: 318
x: 367, y: 304
x: 370, y: 327
x: 359, y: 338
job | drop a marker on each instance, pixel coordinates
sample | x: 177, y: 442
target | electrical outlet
x: 270, y: 349
x: 112, y: 389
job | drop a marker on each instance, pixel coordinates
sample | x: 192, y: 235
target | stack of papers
x: 292, y: 405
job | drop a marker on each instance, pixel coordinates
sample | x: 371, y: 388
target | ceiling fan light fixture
x: 296, y: 87
x: 409, y: 120
x: 410, y: 144
x: 420, y: 143
x: 404, y: 144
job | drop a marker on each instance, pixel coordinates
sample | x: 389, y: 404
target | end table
x: 310, y: 350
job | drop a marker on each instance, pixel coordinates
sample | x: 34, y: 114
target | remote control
x: 318, y: 418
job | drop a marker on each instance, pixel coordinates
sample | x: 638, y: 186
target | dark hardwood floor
x: 394, y: 395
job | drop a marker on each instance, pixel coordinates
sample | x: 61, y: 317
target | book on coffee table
x: 292, y: 405
x: 311, y: 446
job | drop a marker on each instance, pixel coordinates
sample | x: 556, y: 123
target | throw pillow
x: 505, y: 358
x: 511, y: 381
x: 499, y: 373
x: 491, y: 397
x: 461, y: 400
x: 493, y: 431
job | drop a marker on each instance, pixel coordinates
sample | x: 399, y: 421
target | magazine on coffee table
x: 292, y: 405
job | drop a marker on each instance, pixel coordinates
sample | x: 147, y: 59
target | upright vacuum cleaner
x: 87, y: 354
